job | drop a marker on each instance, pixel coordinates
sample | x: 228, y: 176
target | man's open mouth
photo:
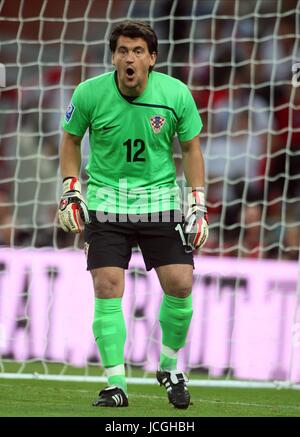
x: 129, y: 72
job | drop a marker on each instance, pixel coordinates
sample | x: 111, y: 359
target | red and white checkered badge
x: 157, y: 123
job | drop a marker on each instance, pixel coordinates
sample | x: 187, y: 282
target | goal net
x: 241, y: 61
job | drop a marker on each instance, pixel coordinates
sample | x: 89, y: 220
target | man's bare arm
x: 193, y: 163
x: 70, y: 155
x: 72, y: 208
x: 196, y: 220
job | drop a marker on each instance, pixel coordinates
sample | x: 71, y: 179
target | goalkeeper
x: 132, y: 115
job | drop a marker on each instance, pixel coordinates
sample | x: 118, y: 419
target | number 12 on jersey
x: 134, y: 150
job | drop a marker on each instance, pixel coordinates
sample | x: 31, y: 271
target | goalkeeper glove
x: 196, y: 221
x: 72, y: 206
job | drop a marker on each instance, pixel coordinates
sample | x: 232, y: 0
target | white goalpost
x: 241, y: 60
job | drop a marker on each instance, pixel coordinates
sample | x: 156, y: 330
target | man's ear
x: 153, y: 57
x: 113, y: 59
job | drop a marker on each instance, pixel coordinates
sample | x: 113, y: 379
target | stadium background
x: 237, y: 59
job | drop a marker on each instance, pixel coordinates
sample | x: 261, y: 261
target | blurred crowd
x: 237, y: 59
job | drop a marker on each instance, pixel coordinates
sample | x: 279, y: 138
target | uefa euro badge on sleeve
x: 69, y: 112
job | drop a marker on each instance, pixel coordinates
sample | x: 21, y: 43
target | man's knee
x: 176, y: 280
x: 178, y: 286
x: 108, y: 283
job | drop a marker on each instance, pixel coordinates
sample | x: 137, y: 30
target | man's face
x: 132, y: 61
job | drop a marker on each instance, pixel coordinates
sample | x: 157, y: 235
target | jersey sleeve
x: 189, y: 124
x: 76, y: 119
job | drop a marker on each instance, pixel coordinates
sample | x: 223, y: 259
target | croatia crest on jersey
x: 157, y: 123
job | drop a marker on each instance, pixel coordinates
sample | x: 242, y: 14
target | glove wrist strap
x: 197, y: 197
x: 69, y: 177
x: 71, y: 183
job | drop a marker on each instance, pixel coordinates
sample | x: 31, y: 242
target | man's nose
x: 130, y: 56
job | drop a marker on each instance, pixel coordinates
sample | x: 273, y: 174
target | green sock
x: 175, y: 318
x: 168, y: 359
x: 116, y: 376
x: 110, y: 334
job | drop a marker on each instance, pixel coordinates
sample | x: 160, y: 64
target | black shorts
x: 110, y: 244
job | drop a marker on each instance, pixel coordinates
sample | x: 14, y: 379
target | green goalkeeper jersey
x: 130, y: 165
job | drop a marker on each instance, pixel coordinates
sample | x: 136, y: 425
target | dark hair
x: 134, y: 29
